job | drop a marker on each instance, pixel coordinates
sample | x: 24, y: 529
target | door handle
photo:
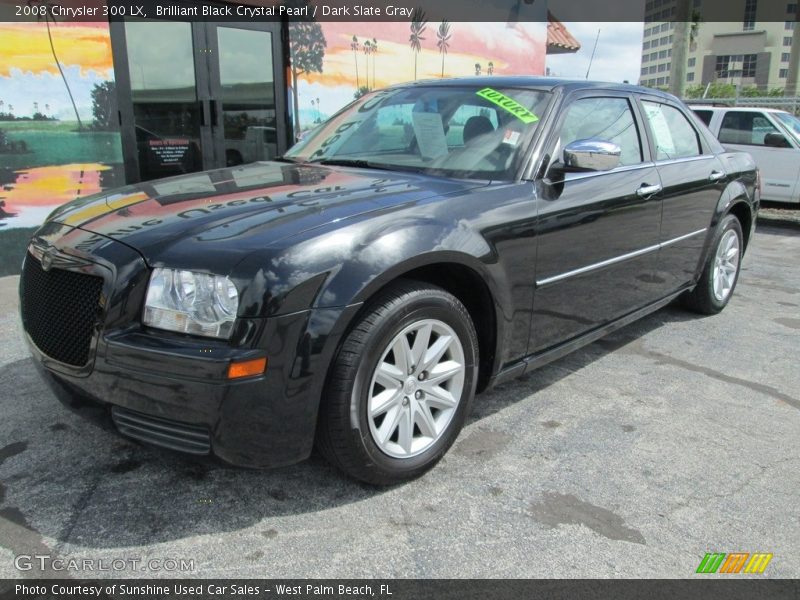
x: 716, y: 175
x: 648, y: 190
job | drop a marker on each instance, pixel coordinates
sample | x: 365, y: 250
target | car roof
x: 541, y: 83
x: 736, y: 108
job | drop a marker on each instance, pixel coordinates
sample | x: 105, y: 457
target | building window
x: 787, y: 41
x: 791, y: 8
x: 645, y: 58
x: 653, y: 55
x: 662, y: 67
x: 646, y: 46
x: 652, y: 70
x: 669, y: 53
x: 749, y: 22
x: 690, y: 77
x: 691, y: 62
x: 662, y: 54
x: 646, y: 32
x: 644, y: 71
x: 783, y: 73
x: 660, y: 81
x: 666, y: 80
x: 736, y: 65
x: 664, y: 27
x: 664, y: 41
x: 785, y: 56
x: 670, y: 39
x: 749, y: 65
x: 789, y: 25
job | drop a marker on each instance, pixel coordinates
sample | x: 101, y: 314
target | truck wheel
x: 721, y: 271
x: 401, y: 385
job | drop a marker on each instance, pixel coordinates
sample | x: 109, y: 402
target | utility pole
x: 680, y: 46
x: 597, y: 39
x: 794, y: 59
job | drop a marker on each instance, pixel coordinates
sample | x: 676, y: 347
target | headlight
x: 190, y: 302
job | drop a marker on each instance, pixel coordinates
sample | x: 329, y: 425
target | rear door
x: 693, y: 179
x: 597, y: 231
x: 746, y: 130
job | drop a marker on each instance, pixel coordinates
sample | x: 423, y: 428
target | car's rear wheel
x: 721, y: 271
x: 401, y: 385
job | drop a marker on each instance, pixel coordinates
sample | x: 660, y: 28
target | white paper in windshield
x: 429, y: 130
x: 660, y: 127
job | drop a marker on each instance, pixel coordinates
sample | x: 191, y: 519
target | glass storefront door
x: 197, y: 96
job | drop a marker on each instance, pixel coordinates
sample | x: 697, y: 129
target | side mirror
x: 776, y: 140
x: 591, y: 155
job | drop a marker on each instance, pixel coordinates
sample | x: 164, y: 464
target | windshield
x: 791, y: 123
x: 470, y: 132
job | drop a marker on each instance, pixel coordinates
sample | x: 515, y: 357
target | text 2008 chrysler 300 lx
x: 427, y: 241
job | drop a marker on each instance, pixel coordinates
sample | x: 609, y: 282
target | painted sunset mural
x: 58, y: 140
x: 336, y: 62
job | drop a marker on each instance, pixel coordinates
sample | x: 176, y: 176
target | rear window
x: 704, y: 116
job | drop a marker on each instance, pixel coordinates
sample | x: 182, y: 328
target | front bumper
x: 168, y: 398
x: 172, y: 390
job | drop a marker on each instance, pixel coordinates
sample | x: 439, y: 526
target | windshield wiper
x: 368, y: 164
x: 286, y: 159
x: 347, y: 162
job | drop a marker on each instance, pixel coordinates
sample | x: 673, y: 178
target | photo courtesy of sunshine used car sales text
x: 398, y: 300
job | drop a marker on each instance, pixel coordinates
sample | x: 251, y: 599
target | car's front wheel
x: 401, y: 385
x: 721, y: 271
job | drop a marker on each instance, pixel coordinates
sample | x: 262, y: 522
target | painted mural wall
x: 58, y: 129
x: 333, y: 63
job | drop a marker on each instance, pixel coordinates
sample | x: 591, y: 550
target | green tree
x: 443, y: 36
x: 418, y: 26
x: 102, y: 106
x: 307, y: 47
x: 361, y: 91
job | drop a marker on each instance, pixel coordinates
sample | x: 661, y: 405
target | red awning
x: 559, y: 39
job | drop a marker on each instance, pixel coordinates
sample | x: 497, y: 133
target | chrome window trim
x: 622, y: 169
x: 669, y: 161
x: 616, y: 259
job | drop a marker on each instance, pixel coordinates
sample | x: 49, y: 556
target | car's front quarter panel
x: 488, y: 230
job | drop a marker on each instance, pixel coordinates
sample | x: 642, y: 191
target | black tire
x: 702, y: 298
x: 343, y: 434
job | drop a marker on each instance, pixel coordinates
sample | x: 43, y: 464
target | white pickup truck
x: 771, y: 137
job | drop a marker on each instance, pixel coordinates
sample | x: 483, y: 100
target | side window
x: 704, y: 116
x: 745, y: 127
x: 608, y: 119
x: 674, y: 135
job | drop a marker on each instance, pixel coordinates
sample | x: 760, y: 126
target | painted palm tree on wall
x: 367, y: 45
x: 418, y: 26
x: 354, y: 47
x: 374, y: 51
x: 443, y: 36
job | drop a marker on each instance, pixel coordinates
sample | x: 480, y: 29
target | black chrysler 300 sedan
x: 428, y: 241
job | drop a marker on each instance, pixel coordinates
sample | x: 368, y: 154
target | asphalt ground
x: 633, y: 457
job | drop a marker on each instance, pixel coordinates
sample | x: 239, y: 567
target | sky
x: 618, y: 56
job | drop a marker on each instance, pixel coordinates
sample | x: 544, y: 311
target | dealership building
x: 90, y: 105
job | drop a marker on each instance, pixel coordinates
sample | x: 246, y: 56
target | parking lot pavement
x: 633, y: 457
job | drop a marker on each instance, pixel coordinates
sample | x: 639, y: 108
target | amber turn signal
x: 247, y: 368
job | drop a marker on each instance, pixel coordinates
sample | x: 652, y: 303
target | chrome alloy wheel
x: 416, y: 388
x: 726, y: 264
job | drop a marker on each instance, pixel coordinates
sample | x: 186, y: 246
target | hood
x: 243, y: 208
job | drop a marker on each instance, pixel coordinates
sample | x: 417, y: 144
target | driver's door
x: 597, y: 231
